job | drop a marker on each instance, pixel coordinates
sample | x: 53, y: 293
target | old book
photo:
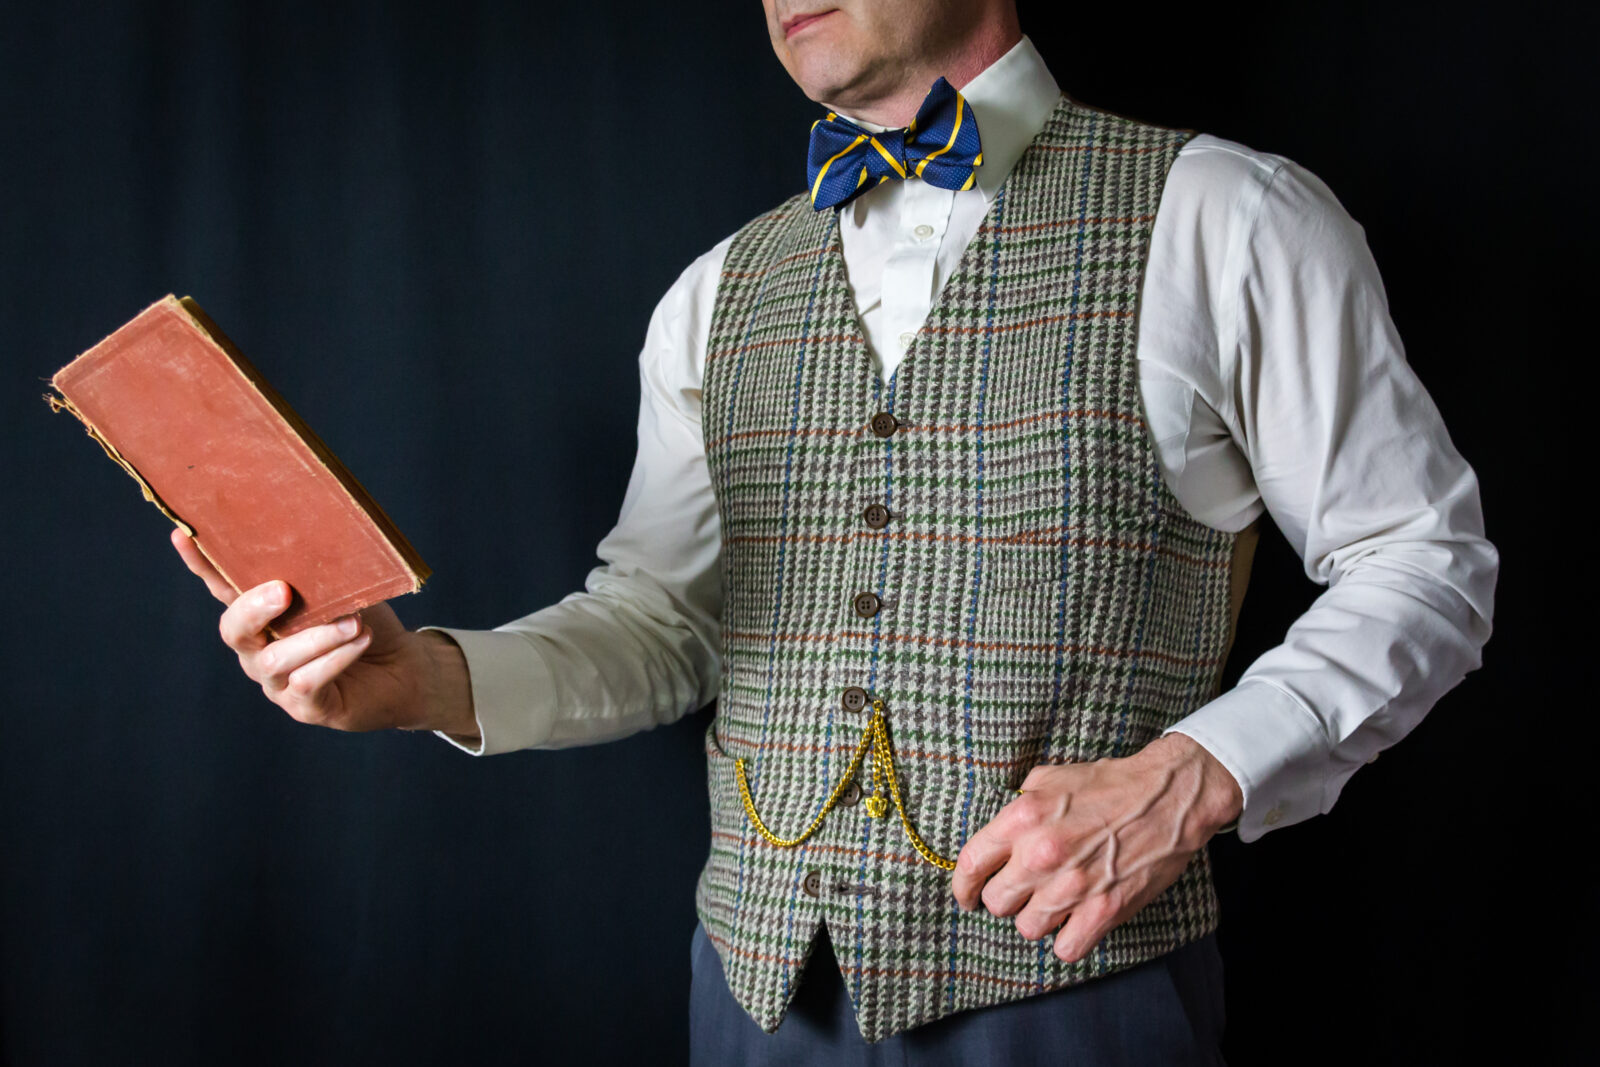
x: 215, y: 447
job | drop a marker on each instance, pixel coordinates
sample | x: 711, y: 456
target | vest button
x: 867, y: 604
x: 851, y: 795
x: 876, y: 516
x: 812, y: 883
x: 854, y: 698
x: 884, y: 424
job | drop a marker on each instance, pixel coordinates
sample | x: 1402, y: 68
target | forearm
x: 598, y: 666
x: 446, y: 706
x: 640, y: 646
x: 1351, y: 458
x: 1354, y: 674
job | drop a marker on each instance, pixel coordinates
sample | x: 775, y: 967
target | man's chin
x: 829, y: 75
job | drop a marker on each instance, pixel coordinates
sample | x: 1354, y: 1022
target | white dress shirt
x: 1272, y: 379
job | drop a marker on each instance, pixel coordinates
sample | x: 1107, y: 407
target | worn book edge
x: 59, y: 403
x: 363, y: 500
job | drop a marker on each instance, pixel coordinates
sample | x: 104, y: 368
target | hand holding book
x: 175, y: 404
x: 359, y: 672
x: 256, y: 495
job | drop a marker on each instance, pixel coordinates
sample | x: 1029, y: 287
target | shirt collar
x: 1012, y: 99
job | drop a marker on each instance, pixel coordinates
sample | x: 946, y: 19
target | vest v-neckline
x: 836, y: 272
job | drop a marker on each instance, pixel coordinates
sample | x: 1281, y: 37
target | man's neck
x: 898, y: 106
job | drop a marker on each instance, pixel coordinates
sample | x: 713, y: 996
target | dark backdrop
x: 440, y: 229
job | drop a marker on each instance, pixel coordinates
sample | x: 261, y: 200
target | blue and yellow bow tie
x: 940, y: 146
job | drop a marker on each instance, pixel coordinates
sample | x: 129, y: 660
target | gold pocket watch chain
x: 876, y: 741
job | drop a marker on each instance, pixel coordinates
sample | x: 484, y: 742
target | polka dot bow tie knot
x: 940, y: 146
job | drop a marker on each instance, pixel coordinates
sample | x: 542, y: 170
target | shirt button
x: 907, y: 337
x: 1373, y: 759
x: 923, y: 232
x: 854, y: 698
x: 1273, y: 816
x: 884, y: 424
x: 851, y: 795
x: 812, y: 883
x: 867, y: 604
x: 876, y: 516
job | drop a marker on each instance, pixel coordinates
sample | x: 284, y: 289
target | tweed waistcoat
x: 1033, y: 591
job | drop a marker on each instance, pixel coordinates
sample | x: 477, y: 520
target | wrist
x: 1219, y: 801
x: 447, y: 698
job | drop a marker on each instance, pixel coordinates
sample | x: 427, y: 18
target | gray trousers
x: 1167, y: 1011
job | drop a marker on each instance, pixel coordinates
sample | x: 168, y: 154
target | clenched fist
x: 1092, y: 843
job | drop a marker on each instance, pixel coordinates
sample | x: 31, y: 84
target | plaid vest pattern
x: 982, y: 548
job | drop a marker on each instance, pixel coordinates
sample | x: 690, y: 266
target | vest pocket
x: 720, y: 784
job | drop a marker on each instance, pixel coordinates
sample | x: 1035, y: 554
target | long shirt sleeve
x: 1308, y: 394
x: 640, y: 646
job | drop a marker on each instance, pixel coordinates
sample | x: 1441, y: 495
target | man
x: 946, y: 485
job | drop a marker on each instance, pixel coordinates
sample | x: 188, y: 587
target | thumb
x: 385, y: 625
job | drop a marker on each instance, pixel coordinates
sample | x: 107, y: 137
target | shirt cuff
x: 1274, y: 748
x: 506, y: 673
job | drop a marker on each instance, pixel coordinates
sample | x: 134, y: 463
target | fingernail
x: 348, y: 627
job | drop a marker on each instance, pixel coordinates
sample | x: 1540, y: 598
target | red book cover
x: 221, y: 454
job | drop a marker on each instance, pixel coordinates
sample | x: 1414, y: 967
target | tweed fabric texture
x: 1044, y: 597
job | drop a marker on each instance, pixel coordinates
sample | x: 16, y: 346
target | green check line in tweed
x: 1044, y: 596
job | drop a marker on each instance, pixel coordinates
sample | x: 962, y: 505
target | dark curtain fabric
x: 439, y: 229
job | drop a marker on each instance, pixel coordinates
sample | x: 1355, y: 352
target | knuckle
x: 235, y: 629
x: 1032, y: 927
x: 1114, y: 899
x: 1071, y: 886
x: 304, y: 714
x: 303, y: 711
x: 972, y: 857
x: 1026, y: 812
x: 1098, y: 911
x: 1044, y: 853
